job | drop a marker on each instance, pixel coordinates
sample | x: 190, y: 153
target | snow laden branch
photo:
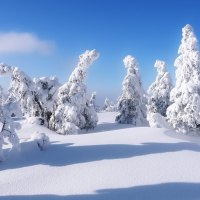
x: 184, y: 113
x: 131, y: 103
x: 73, y: 109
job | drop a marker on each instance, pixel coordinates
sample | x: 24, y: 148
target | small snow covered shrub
x: 131, y: 105
x: 41, y: 139
x: 184, y: 113
x: 7, y: 130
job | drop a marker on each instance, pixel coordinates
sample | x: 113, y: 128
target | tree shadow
x: 165, y: 191
x: 69, y: 154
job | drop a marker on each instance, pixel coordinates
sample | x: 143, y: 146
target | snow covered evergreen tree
x: 23, y: 89
x: 184, y: 113
x: 131, y: 103
x: 159, y: 91
x: 73, y: 110
x: 109, y: 106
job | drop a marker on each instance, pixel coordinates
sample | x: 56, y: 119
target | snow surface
x: 112, y: 162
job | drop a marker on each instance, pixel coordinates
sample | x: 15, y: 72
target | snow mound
x: 156, y: 120
x: 41, y: 139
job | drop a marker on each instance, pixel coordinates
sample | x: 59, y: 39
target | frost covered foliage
x: 23, y: 89
x: 159, y: 92
x: 73, y: 110
x: 7, y: 129
x: 46, y: 89
x: 184, y: 113
x: 130, y: 105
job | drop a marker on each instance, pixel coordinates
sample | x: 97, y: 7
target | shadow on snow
x: 166, y: 191
x: 67, y: 154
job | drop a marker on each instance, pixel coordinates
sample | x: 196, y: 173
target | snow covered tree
x: 159, y: 91
x: 184, y: 113
x: 7, y: 129
x: 93, y: 102
x: 109, y: 106
x: 72, y: 110
x: 131, y: 103
x: 47, y: 89
x: 23, y: 89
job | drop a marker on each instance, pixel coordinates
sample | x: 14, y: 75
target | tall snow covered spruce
x: 184, y: 113
x: 131, y: 103
x: 159, y: 95
x: 73, y: 109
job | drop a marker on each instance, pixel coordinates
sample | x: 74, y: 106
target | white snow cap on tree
x: 73, y: 109
x: 159, y: 91
x: 184, y: 113
x: 131, y: 103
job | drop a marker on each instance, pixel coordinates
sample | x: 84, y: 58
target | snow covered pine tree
x: 184, y: 113
x: 159, y: 95
x: 131, y: 107
x: 23, y: 89
x: 159, y: 91
x: 73, y: 109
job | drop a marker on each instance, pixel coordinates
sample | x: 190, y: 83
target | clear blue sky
x: 146, y: 29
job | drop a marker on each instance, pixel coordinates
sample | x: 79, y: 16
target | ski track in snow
x: 113, y: 161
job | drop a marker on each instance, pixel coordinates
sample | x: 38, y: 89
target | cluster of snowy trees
x: 167, y: 106
x: 67, y: 108
x: 62, y: 108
